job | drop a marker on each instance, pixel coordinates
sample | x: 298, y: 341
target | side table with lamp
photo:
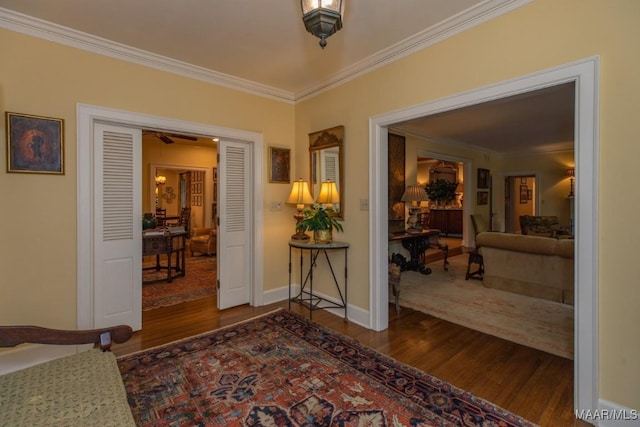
x: 321, y: 220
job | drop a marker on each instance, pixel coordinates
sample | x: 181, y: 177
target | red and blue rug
x: 198, y: 282
x: 280, y: 369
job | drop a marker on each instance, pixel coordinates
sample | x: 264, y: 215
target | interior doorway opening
x: 519, y: 199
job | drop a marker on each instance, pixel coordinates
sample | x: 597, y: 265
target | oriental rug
x: 281, y: 369
x: 198, y: 282
x: 534, y: 322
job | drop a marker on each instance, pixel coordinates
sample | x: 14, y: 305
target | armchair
x: 204, y: 240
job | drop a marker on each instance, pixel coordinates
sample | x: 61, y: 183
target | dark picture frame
x: 483, y: 178
x: 524, y: 194
x: 529, y: 194
x: 483, y: 198
x: 35, y: 144
x: 279, y: 165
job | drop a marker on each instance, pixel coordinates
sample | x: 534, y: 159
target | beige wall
x: 38, y: 252
x: 540, y: 35
x: 38, y: 249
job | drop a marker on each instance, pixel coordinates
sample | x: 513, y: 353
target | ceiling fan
x: 167, y: 137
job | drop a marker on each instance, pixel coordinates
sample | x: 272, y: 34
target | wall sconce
x: 571, y: 172
x: 322, y: 17
x: 300, y: 196
x: 328, y: 194
x: 161, y: 180
x: 414, y: 194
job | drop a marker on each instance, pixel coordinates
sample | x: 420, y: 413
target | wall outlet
x: 364, y: 204
x: 276, y: 206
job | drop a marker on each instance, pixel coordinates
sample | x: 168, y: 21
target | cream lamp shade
x: 300, y: 194
x: 414, y: 194
x: 328, y: 194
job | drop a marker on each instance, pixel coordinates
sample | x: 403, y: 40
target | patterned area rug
x: 283, y: 370
x: 534, y: 322
x: 199, y: 282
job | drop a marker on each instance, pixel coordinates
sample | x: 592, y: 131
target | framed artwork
x: 524, y: 194
x: 215, y: 174
x: 483, y: 197
x: 279, y: 165
x: 35, y: 144
x: 396, y: 170
x: 483, y: 178
x: 523, y: 180
x: 529, y: 194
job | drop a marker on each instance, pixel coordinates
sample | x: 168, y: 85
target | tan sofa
x: 540, y: 267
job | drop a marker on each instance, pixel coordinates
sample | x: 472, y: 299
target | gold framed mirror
x: 326, y: 163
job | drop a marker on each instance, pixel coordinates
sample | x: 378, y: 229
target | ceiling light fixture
x: 322, y: 17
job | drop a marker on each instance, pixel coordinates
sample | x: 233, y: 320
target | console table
x: 162, y: 241
x: 306, y: 297
x: 448, y: 221
x: 417, y: 243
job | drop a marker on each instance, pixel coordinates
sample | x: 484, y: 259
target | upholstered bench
x: 83, y: 389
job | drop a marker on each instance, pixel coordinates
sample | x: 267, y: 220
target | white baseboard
x: 611, y: 414
x: 26, y: 355
x: 354, y: 314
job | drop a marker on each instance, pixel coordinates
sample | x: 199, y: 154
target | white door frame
x: 87, y: 115
x: 586, y: 75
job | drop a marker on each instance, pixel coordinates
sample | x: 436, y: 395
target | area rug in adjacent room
x: 281, y: 369
x: 534, y: 322
x: 198, y: 282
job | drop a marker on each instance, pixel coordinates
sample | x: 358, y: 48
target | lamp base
x: 300, y: 236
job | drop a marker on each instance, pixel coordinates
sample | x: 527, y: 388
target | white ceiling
x: 263, y: 47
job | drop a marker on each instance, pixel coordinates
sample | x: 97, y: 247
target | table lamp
x: 300, y: 196
x: 414, y: 194
x: 328, y: 194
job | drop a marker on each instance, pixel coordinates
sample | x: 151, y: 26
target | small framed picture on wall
x: 279, y: 165
x: 35, y: 144
x: 483, y: 197
x: 483, y: 178
x: 524, y: 194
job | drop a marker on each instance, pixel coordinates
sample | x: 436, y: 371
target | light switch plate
x: 276, y: 206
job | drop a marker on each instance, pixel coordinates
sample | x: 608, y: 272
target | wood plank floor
x: 533, y: 384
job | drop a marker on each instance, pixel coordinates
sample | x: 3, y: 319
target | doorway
x: 519, y: 199
x: 585, y: 75
x: 88, y: 116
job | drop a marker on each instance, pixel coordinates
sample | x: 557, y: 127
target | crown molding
x: 58, y: 34
x: 459, y: 23
x: 456, y: 24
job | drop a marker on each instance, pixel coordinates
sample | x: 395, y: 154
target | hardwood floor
x: 535, y: 385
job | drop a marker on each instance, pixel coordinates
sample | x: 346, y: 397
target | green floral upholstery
x: 543, y: 226
x: 83, y: 389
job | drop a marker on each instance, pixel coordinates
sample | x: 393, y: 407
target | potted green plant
x: 441, y: 191
x: 321, y: 221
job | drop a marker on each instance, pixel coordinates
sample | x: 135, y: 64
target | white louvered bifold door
x: 235, y: 174
x: 117, y: 226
